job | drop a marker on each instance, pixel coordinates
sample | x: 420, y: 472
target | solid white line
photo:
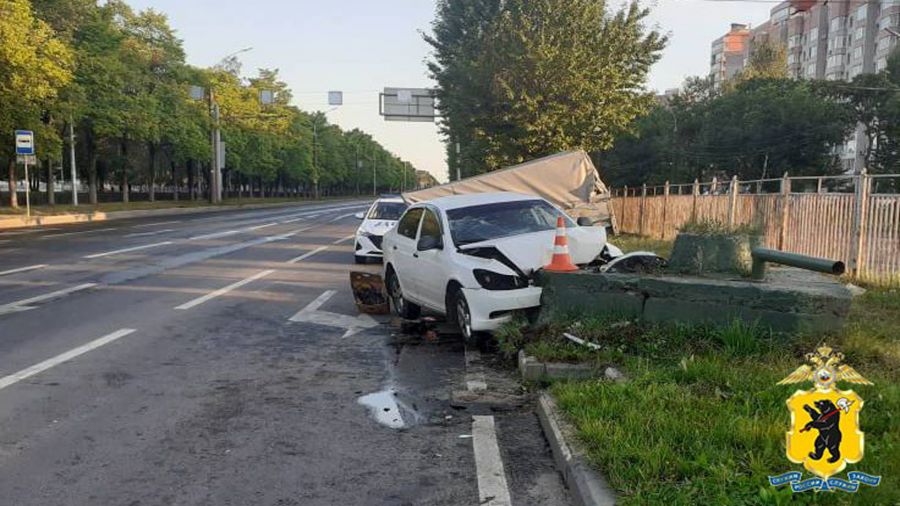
x: 12, y: 379
x: 295, y: 220
x: 127, y: 250
x: 214, y: 235
x: 492, y: 487
x: 155, y: 232
x: 155, y: 224
x: 23, y: 269
x: 307, y: 255
x: 24, y: 305
x: 223, y: 291
x: 344, y: 239
x: 51, y: 236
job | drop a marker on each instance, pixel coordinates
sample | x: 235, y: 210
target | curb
x: 62, y: 219
x: 587, y: 487
x: 533, y: 370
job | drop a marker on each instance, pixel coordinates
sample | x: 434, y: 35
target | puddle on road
x: 388, y: 410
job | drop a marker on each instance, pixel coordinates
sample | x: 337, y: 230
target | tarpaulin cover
x: 569, y: 180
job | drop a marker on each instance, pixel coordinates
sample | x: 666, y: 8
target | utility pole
x: 405, y: 170
x: 215, y: 188
x: 72, y: 159
x: 315, y: 158
x: 374, y: 176
x: 357, y: 168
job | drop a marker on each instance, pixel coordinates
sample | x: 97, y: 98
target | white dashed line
x: 23, y: 269
x: 67, y: 234
x: 492, y: 487
x: 343, y: 239
x: 155, y: 232
x: 307, y: 255
x: 25, y: 304
x: 128, y: 250
x: 147, y: 225
x: 223, y: 291
x: 215, y: 235
x: 258, y: 227
x: 12, y: 379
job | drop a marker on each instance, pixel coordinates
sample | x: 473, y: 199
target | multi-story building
x: 835, y: 40
x: 729, y: 53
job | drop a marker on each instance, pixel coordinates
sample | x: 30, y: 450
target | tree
x: 34, y: 66
x: 524, y: 78
x: 768, y: 60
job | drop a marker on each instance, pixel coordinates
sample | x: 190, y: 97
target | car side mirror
x: 360, y: 216
x: 428, y: 243
x: 584, y: 221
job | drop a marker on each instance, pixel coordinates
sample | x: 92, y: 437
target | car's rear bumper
x: 492, y: 308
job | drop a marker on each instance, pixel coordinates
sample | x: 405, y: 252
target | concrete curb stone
x: 586, y: 485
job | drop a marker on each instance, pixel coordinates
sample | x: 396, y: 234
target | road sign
x: 335, y: 98
x: 26, y: 159
x: 24, y: 142
x: 407, y: 104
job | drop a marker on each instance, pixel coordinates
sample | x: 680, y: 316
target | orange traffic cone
x: 561, y: 261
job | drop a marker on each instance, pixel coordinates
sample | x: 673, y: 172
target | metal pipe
x: 763, y: 255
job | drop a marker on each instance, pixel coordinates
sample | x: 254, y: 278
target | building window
x: 813, y: 52
x: 837, y: 23
x: 860, y: 33
x: 861, y: 12
x: 814, y: 33
x: 793, y: 41
x: 857, y: 52
x: 881, y: 64
x: 811, y: 70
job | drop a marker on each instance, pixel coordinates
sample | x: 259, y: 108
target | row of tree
x: 760, y: 125
x: 116, y: 81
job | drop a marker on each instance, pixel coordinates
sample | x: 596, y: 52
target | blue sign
x: 24, y: 142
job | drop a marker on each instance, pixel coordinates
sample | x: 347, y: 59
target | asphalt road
x: 218, y: 359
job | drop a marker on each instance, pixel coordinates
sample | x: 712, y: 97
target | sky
x: 361, y: 46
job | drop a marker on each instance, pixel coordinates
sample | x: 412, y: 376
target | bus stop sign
x: 24, y: 142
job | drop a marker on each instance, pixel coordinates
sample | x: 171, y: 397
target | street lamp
x: 315, y: 123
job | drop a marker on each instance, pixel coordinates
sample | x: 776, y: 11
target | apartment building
x: 835, y: 40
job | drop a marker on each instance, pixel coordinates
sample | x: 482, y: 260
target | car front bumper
x: 492, y: 308
x: 368, y: 246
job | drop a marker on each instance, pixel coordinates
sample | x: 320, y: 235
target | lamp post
x: 316, y: 149
x: 215, y: 190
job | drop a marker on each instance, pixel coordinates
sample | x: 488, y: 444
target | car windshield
x: 492, y: 221
x: 387, y: 211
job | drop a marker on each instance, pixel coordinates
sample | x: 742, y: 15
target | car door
x: 431, y: 266
x: 403, y: 249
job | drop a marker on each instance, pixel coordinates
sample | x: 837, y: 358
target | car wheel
x: 463, y: 316
x: 399, y: 305
x: 360, y: 259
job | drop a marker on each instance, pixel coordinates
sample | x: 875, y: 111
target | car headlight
x: 490, y: 280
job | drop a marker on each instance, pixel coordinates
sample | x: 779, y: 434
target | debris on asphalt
x: 368, y: 292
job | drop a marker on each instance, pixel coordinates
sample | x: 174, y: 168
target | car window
x: 387, y: 211
x: 409, y: 224
x: 493, y: 221
x: 431, y: 227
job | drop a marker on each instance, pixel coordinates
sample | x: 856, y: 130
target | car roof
x: 477, y: 199
x: 391, y: 199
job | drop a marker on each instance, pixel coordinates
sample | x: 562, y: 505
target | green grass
x: 107, y: 207
x: 702, y: 421
x: 629, y: 243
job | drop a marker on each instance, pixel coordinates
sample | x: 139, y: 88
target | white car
x: 471, y: 257
x: 378, y: 219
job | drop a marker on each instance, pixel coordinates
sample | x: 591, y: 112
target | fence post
x: 860, y: 210
x: 665, y: 211
x: 732, y: 207
x: 695, y: 191
x: 624, y: 203
x: 714, y: 187
x: 783, y: 211
x: 643, y: 203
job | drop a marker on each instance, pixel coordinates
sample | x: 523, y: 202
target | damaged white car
x: 472, y: 257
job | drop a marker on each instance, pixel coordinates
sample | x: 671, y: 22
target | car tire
x: 399, y: 305
x: 360, y: 259
x: 460, y: 312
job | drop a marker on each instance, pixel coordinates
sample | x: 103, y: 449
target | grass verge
x: 106, y: 207
x: 702, y: 421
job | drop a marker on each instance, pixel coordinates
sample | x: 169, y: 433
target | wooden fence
x: 853, y: 218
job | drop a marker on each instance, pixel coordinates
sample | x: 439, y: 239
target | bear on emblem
x: 827, y: 421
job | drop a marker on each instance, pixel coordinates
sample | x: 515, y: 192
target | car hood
x: 376, y: 227
x: 532, y: 251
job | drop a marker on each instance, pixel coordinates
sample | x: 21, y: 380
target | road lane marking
x: 351, y: 324
x: 215, y: 235
x: 307, y: 255
x: 341, y: 217
x: 14, y: 378
x: 23, y: 269
x: 127, y: 250
x: 295, y: 220
x: 24, y: 232
x: 155, y: 232
x: 25, y: 304
x: 223, y: 291
x: 342, y: 239
x: 258, y: 227
x: 492, y: 487
x: 147, y: 225
x: 66, y: 234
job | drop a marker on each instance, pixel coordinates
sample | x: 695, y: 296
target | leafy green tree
x: 525, y: 78
x: 34, y: 66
